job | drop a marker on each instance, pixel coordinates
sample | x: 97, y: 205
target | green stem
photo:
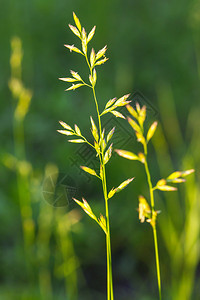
x: 110, y: 295
x: 154, y: 224
x: 108, y: 243
x: 157, y: 260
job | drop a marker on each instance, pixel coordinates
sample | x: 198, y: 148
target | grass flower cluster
x: 146, y: 208
x: 101, y: 138
x: 103, y: 146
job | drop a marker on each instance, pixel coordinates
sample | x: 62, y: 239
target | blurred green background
x: 55, y: 251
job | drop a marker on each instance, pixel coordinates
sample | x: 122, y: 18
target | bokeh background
x: 50, y: 249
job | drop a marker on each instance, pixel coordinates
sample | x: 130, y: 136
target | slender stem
x: 86, y: 140
x: 153, y: 224
x: 110, y: 295
x: 108, y: 243
x: 157, y: 260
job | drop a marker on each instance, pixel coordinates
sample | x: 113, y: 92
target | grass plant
x: 181, y: 219
x: 18, y: 162
x: 147, y: 211
x: 102, y: 139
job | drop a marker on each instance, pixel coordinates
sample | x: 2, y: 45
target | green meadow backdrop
x: 49, y: 247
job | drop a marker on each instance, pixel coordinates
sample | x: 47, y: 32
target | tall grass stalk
x: 147, y: 208
x: 101, y: 143
x: 180, y: 226
x: 70, y: 262
x: 46, y: 220
x: 154, y: 223
x: 45, y: 223
x: 21, y: 98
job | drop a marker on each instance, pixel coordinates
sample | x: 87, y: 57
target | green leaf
x: 127, y: 154
x: 76, y: 141
x: 123, y: 185
x: 89, y: 170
